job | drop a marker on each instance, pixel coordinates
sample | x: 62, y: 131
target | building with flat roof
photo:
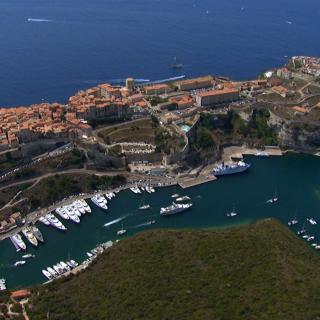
x: 213, y: 97
x: 195, y: 83
x: 157, y: 89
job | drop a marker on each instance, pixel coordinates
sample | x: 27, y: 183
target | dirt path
x: 71, y: 171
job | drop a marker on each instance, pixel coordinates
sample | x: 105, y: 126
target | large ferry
x: 232, y: 168
x: 175, y: 208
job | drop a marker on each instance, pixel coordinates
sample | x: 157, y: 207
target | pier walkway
x: 237, y: 152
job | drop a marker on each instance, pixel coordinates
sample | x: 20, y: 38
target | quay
x: 229, y: 154
x: 201, y: 176
x: 237, y: 152
x: 34, y: 216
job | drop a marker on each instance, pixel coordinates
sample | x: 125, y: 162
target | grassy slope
x: 259, y: 271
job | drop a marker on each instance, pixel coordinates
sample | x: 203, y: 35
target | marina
x: 210, y: 204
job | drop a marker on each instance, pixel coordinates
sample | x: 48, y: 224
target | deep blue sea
x: 74, y: 44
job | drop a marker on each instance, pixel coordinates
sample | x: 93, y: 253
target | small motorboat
x: 27, y: 256
x: 145, y: 207
x: 19, y: 263
x: 293, y: 222
x: 121, y: 232
x: 312, y: 221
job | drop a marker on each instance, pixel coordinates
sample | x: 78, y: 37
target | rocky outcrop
x: 295, y: 135
x: 299, y: 137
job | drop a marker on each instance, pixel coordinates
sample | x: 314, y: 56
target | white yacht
x: 184, y: 198
x: 78, y: 204
x: 27, y: 256
x: 52, y: 272
x: 145, y: 207
x: 18, y: 242
x: 75, y: 264
x: 108, y: 196
x: 44, y: 221
x: 152, y: 189
x: 72, y: 215
x: 64, y: 267
x: 30, y: 236
x: 62, y: 213
x: 75, y: 210
x: 100, y: 201
x: 148, y: 189
x: 3, y: 284
x: 274, y: 199
x: 54, y: 221
x: 57, y: 269
x: 85, y: 205
x: 47, y: 274
x: 121, y: 231
x: 37, y: 233
x: 293, y: 222
x: 19, y: 263
x: 148, y: 223
x: 89, y: 254
x: 176, y: 195
x: 135, y: 190
x: 312, y: 221
x: 232, y: 214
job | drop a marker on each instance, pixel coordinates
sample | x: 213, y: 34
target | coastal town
x: 172, y: 132
x: 56, y: 158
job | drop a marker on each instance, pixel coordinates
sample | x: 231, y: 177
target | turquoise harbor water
x: 296, y: 178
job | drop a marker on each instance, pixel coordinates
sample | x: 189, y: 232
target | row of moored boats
x: 59, y: 269
x: 31, y: 233
x: 304, y: 233
x: 3, y: 284
x: 64, y: 267
x: 138, y: 190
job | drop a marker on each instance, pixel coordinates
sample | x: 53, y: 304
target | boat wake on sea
x: 114, y: 221
x: 122, y: 81
x: 38, y: 20
x: 168, y: 79
x: 145, y: 224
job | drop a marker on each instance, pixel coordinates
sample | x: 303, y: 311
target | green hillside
x: 260, y: 271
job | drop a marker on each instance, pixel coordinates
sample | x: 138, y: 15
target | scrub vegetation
x: 260, y: 271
